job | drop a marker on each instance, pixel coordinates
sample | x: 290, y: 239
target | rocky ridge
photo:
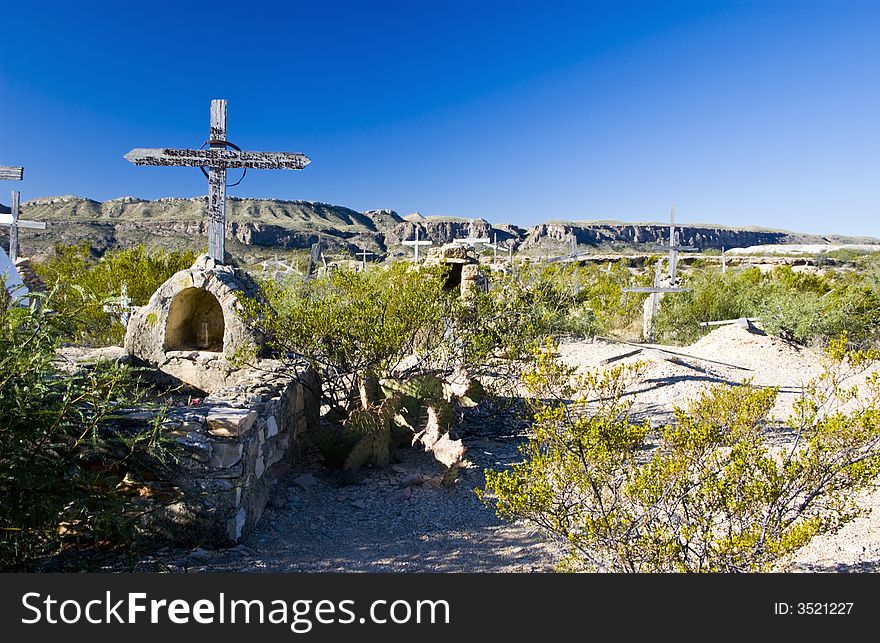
x: 265, y: 226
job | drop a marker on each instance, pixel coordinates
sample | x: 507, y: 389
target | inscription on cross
x: 214, y: 162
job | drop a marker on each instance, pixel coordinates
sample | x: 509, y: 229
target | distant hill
x: 263, y: 227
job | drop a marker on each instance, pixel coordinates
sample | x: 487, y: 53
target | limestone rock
x: 226, y: 455
x: 230, y: 422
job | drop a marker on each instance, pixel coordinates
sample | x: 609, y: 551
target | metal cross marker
x: 15, y: 223
x: 470, y: 240
x: 217, y: 159
x: 416, y: 243
x: 673, y: 248
x: 363, y: 255
x: 121, y: 306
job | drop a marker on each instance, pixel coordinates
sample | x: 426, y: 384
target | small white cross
x: 416, y: 243
x: 121, y: 305
x: 363, y: 254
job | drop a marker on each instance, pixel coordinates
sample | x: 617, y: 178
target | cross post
x: 217, y: 159
x: 217, y: 185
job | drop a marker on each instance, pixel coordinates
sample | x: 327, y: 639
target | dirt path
x: 398, y: 519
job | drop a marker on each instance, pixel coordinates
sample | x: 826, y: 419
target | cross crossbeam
x: 11, y: 172
x: 217, y: 159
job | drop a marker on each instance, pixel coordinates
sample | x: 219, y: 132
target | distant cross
x: 723, y: 261
x: 415, y: 243
x: 494, y: 245
x: 121, y: 306
x: 15, y: 223
x: 217, y: 159
x: 657, y: 289
x: 363, y: 254
x: 470, y: 240
x: 574, y: 245
x: 673, y: 248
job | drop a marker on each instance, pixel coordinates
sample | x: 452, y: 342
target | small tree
x: 705, y: 493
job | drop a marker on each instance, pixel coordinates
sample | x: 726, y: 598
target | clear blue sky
x: 743, y: 113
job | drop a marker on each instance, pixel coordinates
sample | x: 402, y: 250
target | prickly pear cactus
x: 375, y: 425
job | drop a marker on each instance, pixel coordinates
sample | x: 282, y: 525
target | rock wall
x: 229, y: 450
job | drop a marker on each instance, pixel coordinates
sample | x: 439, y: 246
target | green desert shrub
x: 705, y: 493
x: 799, y: 306
x: 83, y: 285
x: 60, y: 464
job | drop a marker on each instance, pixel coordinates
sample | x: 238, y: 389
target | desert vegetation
x: 400, y: 356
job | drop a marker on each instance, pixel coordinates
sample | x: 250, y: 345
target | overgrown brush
x: 83, y: 285
x: 706, y: 493
x: 60, y: 465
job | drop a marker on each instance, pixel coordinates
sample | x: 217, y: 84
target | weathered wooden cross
x: 415, y: 243
x: 217, y: 159
x: 742, y: 322
x: 363, y: 254
x: 15, y: 223
x: 470, y: 240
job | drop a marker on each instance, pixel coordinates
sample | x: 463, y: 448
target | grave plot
x: 241, y: 433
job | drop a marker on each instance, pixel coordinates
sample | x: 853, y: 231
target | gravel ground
x: 401, y: 519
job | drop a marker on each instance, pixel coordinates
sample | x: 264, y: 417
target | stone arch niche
x: 193, y: 326
x: 195, y: 322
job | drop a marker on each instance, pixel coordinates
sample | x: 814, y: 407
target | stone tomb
x: 191, y: 329
x: 241, y: 433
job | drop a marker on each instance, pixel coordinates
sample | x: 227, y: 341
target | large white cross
x: 15, y: 223
x: 217, y: 158
x: 416, y: 243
